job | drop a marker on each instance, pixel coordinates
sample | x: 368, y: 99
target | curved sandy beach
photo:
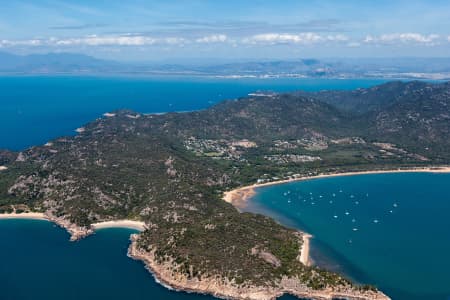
x: 239, y: 197
x: 138, y: 225
x: 120, y: 224
x: 304, y: 252
x: 30, y: 215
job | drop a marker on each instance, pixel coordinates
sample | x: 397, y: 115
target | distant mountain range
x: 54, y: 63
x: 413, y: 68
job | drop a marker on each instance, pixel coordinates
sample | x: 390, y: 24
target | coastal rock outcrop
x: 166, y: 272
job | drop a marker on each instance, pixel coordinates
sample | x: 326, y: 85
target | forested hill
x: 379, y: 97
x: 170, y: 170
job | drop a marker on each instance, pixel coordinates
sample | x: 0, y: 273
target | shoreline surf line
x: 130, y: 224
x: 25, y: 215
x: 240, y: 196
x: 304, y: 252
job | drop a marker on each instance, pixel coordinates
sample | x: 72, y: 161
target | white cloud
x: 94, y: 40
x: 106, y: 41
x: 263, y: 39
x: 288, y: 38
x: 353, y: 44
x: 393, y: 38
x: 215, y: 38
x: 338, y: 38
x: 283, y: 38
x: 12, y: 43
x: 172, y: 41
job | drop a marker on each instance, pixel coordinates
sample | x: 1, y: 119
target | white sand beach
x: 304, y: 254
x: 30, y: 215
x: 239, y: 197
x: 120, y: 224
x: 140, y: 226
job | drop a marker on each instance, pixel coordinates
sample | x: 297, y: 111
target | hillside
x: 54, y: 63
x: 74, y: 63
x: 171, y: 171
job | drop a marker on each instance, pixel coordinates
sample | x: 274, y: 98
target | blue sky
x: 188, y: 30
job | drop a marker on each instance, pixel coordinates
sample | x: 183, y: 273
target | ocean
x: 38, y: 262
x: 391, y: 230
x: 404, y: 253
x: 35, y: 109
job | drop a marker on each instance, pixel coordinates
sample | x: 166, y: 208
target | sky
x: 231, y: 30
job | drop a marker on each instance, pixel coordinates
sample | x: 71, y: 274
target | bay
x: 391, y: 230
x: 35, y: 109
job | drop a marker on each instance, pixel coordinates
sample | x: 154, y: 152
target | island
x: 168, y: 175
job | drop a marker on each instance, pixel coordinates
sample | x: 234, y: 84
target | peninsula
x: 169, y: 174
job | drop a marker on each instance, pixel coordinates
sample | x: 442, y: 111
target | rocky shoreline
x: 76, y: 232
x: 166, y: 274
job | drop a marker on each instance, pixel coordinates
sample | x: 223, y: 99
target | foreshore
x: 239, y: 197
x: 130, y: 224
x: 304, y: 253
x: 167, y: 274
x: 29, y: 215
x: 75, y: 231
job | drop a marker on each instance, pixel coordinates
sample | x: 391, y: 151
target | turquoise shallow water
x: 36, y: 109
x: 404, y: 253
x: 392, y: 230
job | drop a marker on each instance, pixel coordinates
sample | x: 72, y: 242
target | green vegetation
x: 171, y: 171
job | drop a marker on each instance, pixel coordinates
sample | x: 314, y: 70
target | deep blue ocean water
x: 38, y: 262
x: 37, y: 109
x: 391, y: 230
x: 405, y: 253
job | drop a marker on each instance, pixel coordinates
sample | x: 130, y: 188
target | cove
x: 391, y: 230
